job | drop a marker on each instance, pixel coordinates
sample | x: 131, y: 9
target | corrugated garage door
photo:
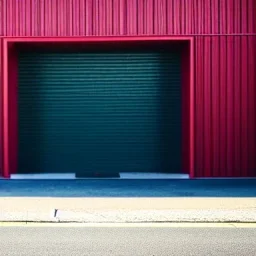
x: 99, y: 112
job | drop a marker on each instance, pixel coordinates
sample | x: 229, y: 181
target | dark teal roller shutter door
x: 99, y: 112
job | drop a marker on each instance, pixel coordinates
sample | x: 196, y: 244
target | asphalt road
x: 149, y: 241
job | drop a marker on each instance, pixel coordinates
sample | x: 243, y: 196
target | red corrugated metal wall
x: 225, y: 60
x: 225, y: 106
x: 1, y: 117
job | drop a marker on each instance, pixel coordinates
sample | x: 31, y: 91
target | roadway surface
x: 125, y: 240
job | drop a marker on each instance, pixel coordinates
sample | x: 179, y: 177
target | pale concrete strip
x: 148, y: 203
x: 130, y: 225
x: 123, y: 216
x: 131, y: 216
x: 128, y: 210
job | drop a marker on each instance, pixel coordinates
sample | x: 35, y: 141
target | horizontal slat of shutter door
x: 99, y: 112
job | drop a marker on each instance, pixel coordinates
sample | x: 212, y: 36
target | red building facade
x: 224, y: 59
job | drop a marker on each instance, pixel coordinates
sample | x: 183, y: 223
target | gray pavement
x: 92, y: 201
x: 129, y: 188
x: 120, y: 241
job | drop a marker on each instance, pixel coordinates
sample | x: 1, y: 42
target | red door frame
x: 9, y: 122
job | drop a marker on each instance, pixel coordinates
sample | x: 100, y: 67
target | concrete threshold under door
x: 148, y: 175
x: 123, y: 175
x: 44, y: 176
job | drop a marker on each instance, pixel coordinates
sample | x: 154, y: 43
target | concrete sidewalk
x: 128, y: 209
x: 130, y: 201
